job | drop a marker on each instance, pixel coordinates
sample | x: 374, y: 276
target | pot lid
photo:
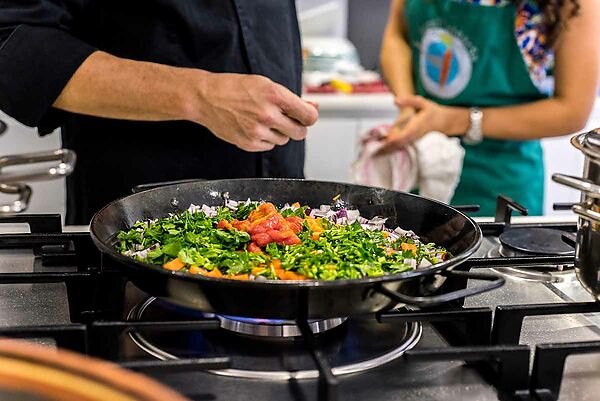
x: 588, y: 143
x: 592, y: 140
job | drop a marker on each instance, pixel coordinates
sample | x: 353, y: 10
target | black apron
x: 242, y: 36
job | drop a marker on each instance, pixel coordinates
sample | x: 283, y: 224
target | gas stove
x: 511, y: 343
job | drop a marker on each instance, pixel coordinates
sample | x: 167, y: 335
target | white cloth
x: 433, y: 164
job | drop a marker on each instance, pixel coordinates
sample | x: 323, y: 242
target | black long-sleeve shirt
x: 43, y: 42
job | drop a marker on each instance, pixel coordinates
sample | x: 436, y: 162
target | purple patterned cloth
x: 531, y: 38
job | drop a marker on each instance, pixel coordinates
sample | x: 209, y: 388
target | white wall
x: 48, y: 197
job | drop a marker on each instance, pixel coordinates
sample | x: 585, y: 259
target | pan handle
x: 580, y: 184
x: 152, y: 185
x: 494, y: 282
x: 19, y: 205
x: 65, y: 159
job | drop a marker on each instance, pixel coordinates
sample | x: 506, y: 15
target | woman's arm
x: 396, y: 55
x: 576, y: 73
x: 396, y: 60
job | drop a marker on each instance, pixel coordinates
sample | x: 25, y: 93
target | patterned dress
x: 532, y: 40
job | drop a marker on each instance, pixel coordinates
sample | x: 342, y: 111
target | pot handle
x: 586, y: 213
x: 152, y: 185
x: 580, y: 184
x: 19, y: 205
x: 494, y: 282
x: 66, y: 163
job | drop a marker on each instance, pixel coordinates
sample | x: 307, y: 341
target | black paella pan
x: 313, y: 299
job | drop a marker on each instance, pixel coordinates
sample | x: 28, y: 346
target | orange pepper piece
x: 314, y: 225
x: 174, y: 265
x: 224, y: 224
x: 296, y: 204
x: 409, y: 247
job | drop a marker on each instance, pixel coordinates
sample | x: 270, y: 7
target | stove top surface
x: 428, y: 365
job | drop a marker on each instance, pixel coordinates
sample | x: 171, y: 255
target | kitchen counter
x: 372, y: 105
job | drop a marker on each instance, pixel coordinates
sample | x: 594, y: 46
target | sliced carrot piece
x: 296, y: 204
x: 280, y: 274
x: 175, y: 265
x: 238, y: 277
x: 315, y: 236
x: 293, y: 276
x: 258, y: 270
x: 197, y: 270
x: 214, y: 273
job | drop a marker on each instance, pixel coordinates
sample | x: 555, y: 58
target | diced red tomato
x: 261, y: 240
x: 292, y: 241
x: 252, y: 247
x: 295, y: 223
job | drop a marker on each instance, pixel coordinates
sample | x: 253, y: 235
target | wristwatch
x: 474, y: 134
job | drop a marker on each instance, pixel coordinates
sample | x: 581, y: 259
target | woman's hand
x: 428, y: 116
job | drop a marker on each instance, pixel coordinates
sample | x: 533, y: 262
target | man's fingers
x: 296, y: 108
x: 256, y: 145
x: 289, y: 127
x: 275, y: 137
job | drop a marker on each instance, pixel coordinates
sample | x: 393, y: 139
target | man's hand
x: 429, y: 117
x: 251, y: 111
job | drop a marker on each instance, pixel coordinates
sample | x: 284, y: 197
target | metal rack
x: 96, y: 295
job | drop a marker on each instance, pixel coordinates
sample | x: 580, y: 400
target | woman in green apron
x: 482, y: 70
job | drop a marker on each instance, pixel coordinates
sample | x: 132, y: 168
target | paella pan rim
x: 109, y: 250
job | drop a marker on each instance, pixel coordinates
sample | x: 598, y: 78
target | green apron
x: 467, y: 55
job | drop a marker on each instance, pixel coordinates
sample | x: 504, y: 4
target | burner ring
x: 410, y: 338
x: 275, y: 328
x: 526, y: 241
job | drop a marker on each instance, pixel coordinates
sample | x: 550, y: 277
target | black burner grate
x: 96, y: 296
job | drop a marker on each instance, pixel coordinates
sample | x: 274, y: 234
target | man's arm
x: 250, y: 111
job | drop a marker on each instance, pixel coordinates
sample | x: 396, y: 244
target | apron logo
x: 445, y: 65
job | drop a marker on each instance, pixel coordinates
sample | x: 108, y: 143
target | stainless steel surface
x: 586, y: 213
x: 40, y: 304
x: 579, y: 184
x: 492, y: 248
x: 587, y: 249
x: 30, y: 304
x: 36, y: 169
x: 21, y: 203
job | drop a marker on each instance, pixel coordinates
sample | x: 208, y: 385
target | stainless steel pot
x: 16, y: 170
x: 587, y: 251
